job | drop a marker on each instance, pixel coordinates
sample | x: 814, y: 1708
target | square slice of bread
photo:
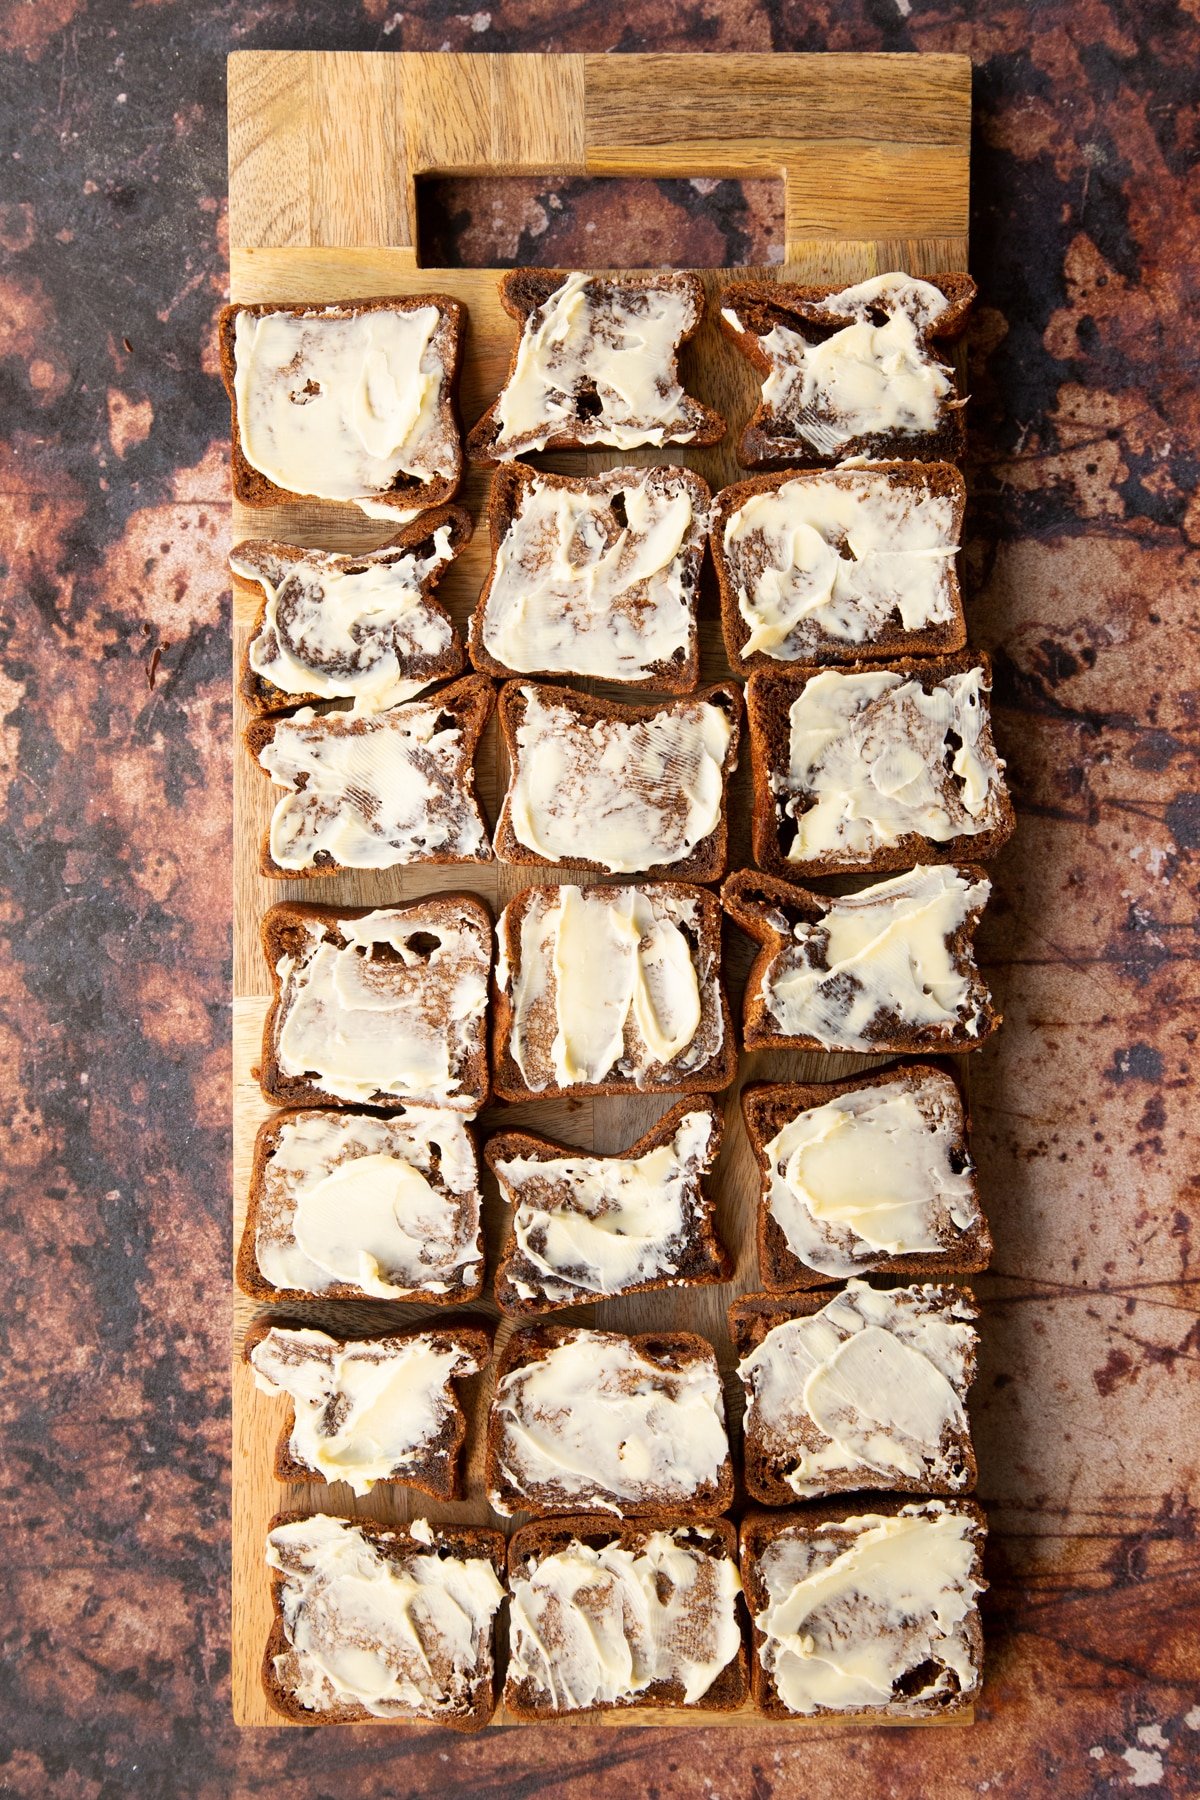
x: 594, y: 576
x: 575, y: 971
x: 875, y: 767
x: 374, y: 1007
x: 851, y: 372
x: 596, y: 363
x: 872, y: 1175
x: 840, y: 565
x: 584, y: 1420
x: 405, y: 1613
x: 888, y: 969
x: 371, y: 1411
x: 584, y: 1228
x: 294, y: 376
x: 375, y: 790
x: 352, y: 1206
x: 606, y: 1615
x: 864, y: 1388
x: 340, y: 625
x: 867, y: 1608
x: 637, y: 789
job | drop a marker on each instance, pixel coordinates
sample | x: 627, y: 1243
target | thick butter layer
x: 364, y: 1411
x: 892, y: 292
x: 595, y: 1225
x: 875, y: 756
x: 622, y: 342
x: 870, y: 1175
x: 884, y: 950
x: 602, y: 1426
x: 834, y: 558
x: 343, y: 627
x: 339, y: 407
x: 857, y: 1606
x: 389, y: 1206
x: 629, y: 796
x: 875, y: 1380
x: 404, y: 1026
x: 396, y: 1636
x: 598, y: 1626
x: 373, y: 792
x: 569, y: 597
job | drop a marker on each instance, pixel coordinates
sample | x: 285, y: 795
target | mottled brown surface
x: 1086, y: 443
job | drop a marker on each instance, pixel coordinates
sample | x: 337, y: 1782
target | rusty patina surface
x: 114, y: 691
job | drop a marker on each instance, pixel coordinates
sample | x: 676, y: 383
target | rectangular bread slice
x: 851, y: 372
x: 352, y: 1206
x: 611, y: 990
x: 584, y: 1228
x: 376, y: 1007
x: 596, y: 363
x: 403, y: 1614
x: 840, y: 565
x: 871, y: 1175
x: 862, y: 1388
x: 625, y: 790
x: 869, y: 1607
x: 294, y: 376
x: 585, y: 1420
x: 875, y: 767
x: 890, y: 968
x: 379, y: 790
x: 605, y: 1616
x: 372, y: 1410
x: 594, y: 576
x: 360, y: 626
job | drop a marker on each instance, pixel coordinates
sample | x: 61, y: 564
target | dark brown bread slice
x: 707, y: 861
x: 414, y: 539
x: 438, y: 1471
x: 287, y: 930
x: 766, y: 439
x: 396, y: 1542
x: 770, y: 695
x: 767, y: 1458
x: 522, y: 292
x: 768, y: 1107
x: 669, y: 1351
x: 700, y: 1260
x: 760, y: 1529
x: 511, y: 485
x: 533, y: 1543
x: 249, y: 1276
x: 767, y: 908
x: 713, y: 1074
x: 407, y: 492
x: 891, y: 638
x: 467, y: 705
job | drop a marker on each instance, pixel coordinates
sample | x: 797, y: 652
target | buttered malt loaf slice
x: 352, y: 1206
x: 594, y: 575
x: 870, y: 1607
x: 890, y: 968
x: 607, y: 1615
x: 626, y: 790
x: 611, y: 990
x: 851, y: 372
x: 375, y: 1008
x: 834, y: 565
x: 873, y: 1175
x: 586, y: 1227
x: 594, y: 1419
x: 596, y: 363
x: 375, y: 1622
x: 350, y: 401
